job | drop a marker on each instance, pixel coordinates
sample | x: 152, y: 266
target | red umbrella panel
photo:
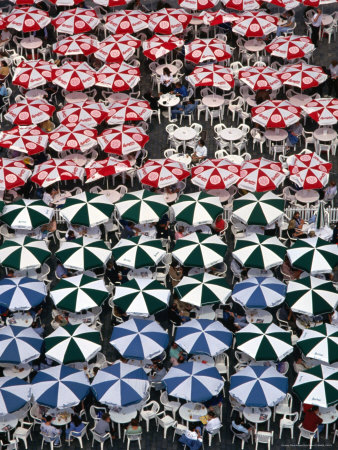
x: 55, y: 170
x: 215, y: 174
x: 66, y: 2
x: 260, y: 175
x: 117, y: 48
x: 122, y: 139
x: 32, y: 74
x: 3, y: 22
x: 128, y: 109
x: 28, y: 112
x: 29, y: 139
x: 241, y: 5
x: 27, y: 19
x: 286, y: 4
x: 158, y: 46
x: 126, y: 21
x: 80, y: 44
x: 290, y: 47
x: 255, y: 24
x: 309, y: 170
x: 118, y: 76
x: 13, y: 173
x: 260, y: 78
x: 112, y: 3
x: 275, y: 114
x: 323, y: 110
x: 72, y: 137
x: 169, y: 21
x: 75, y: 21
x: 201, y: 50
x: 159, y: 173
x: 74, y: 76
x: 87, y: 113
x: 96, y: 170
x: 303, y: 76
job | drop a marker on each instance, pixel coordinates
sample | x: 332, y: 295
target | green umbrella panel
x: 259, y: 208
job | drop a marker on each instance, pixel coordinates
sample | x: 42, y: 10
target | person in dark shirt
x: 152, y: 99
x: 312, y: 421
x: 261, y: 96
x: 181, y: 90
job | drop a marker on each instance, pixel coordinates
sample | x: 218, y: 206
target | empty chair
x: 258, y: 138
x: 197, y: 127
x: 235, y: 105
x: 23, y: 432
x: 219, y: 127
x: 289, y: 194
x: 149, y: 411
x: 169, y: 405
x: 178, y: 429
x: 214, y: 113
x: 169, y: 152
x: 306, y: 434
x: 288, y: 421
x: 165, y: 421
x: 264, y: 437
x: 222, y: 364
x: 170, y: 129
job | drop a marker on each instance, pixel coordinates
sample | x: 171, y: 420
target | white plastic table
x: 188, y: 229
x: 170, y: 197
x: 300, y: 99
x: 204, y: 359
x: 168, y: 101
x: 146, y: 364
x: 255, y: 272
x: 143, y: 272
x: 235, y: 159
x: 222, y: 194
x: 213, y: 101
x: 20, y: 319
x: 122, y: 417
x: 6, y: 425
x: 325, y: 134
x: 307, y: 196
x: 173, y: 69
x: 185, y: 159
x: 196, y: 271
x: 112, y: 195
x: 205, y: 312
x: 117, y: 96
x: 253, y: 415
x: 76, y: 97
x: 191, y: 412
x: 147, y: 229
x: 60, y: 418
x: 304, y: 325
x: 15, y: 371
x: 259, y: 316
x: 195, y: 21
x: 254, y: 45
x: 329, y: 415
x: 326, y: 20
x: 79, y: 159
x: 276, y: 134
x: 184, y: 134
x: 31, y: 43
x: 35, y: 94
x: 324, y: 233
x: 60, y: 199
x: 231, y: 134
x: 77, y: 319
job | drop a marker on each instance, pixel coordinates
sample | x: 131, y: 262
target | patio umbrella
x: 290, y: 47
x: 215, y: 174
x: 302, y: 75
x: 142, y: 297
x: 122, y: 139
x: 323, y: 110
x: 255, y: 24
x: 19, y: 345
x: 87, y: 209
x: 320, y: 343
x: 32, y: 74
x: 259, y: 292
x: 311, y: 296
x: 13, y: 173
x: 27, y: 19
x: 195, y: 382
x: 219, y: 17
x: 259, y: 208
x: 21, y: 293
x: 29, y: 139
x: 257, y: 250
x: 199, y: 250
x: 88, y: 114
x: 105, y: 167
x: 276, y: 114
x: 203, y: 336
x: 260, y: 175
x: 309, y: 170
x: 169, y: 21
x: 286, y: 4
x: 120, y: 385
x: 212, y: 75
x: 203, y: 289
x: 60, y: 387
x: 139, y: 339
x: 79, y: 293
x: 314, y: 255
x: 197, y: 208
x: 112, y: 3
x: 260, y: 78
x: 23, y: 253
x: 138, y: 251
x: 126, y: 21
x: 201, y: 50
x: 141, y: 207
x: 14, y: 395
x: 79, y: 44
x: 317, y: 386
x: 54, y: 170
x: 27, y: 112
x: 264, y: 342
x: 258, y: 386
x: 241, y: 5
x: 117, y: 48
x: 74, y: 76
x: 26, y: 214
x: 158, y: 46
x: 118, y: 76
x: 160, y: 173
x: 73, y: 136
x: 128, y: 109
x: 197, y: 5
x: 83, y: 253
x: 65, y: 2
x: 72, y: 343
x: 75, y: 21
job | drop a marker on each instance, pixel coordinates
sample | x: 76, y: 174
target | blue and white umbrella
x: 120, y: 385
x: 14, y: 394
x: 21, y: 293
x: 259, y: 292
x: 203, y: 336
x: 194, y: 382
x: 258, y: 386
x: 60, y: 387
x: 139, y: 339
x: 19, y: 345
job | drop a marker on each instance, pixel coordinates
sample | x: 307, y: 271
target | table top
x: 222, y: 194
x: 254, y: 272
x: 204, y: 359
x: 79, y: 159
x: 35, y: 94
x: 60, y: 199
x: 143, y: 272
x: 205, y: 312
x: 213, y: 101
x: 146, y: 364
x: 173, y: 69
x: 300, y: 99
x: 231, y: 134
x: 307, y: 196
x: 14, y: 371
x: 196, y: 271
x: 329, y: 415
x: 326, y: 20
x: 303, y: 326
x: 254, y: 414
x: 191, y: 412
x: 76, y: 319
x: 30, y: 273
x: 122, y: 417
x: 196, y: 20
x: 203, y: 228
x: 147, y: 229
x: 60, y: 418
x: 74, y: 97
x: 4, y: 423
x: 184, y: 134
x: 259, y: 316
x: 117, y: 96
x: 31, y: 42
x: 112, y: 195
x: 185, y: 159
x: 254, y: 45
x: 169, y: 100
x: 325, y: 134
x: 235, y: 159
x: 276, y: 134
x: 170, y: 197
x: 20, y: 319
x: 324, y: 233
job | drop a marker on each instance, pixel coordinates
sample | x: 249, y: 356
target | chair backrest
x: 259, y: 64
x: 219, y: 127
x: 264, y: 436
x: 306, y: 433
x: 220, y: 154
x: 134, y: 437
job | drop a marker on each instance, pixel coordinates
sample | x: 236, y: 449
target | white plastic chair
x: 178, y: 429
x: 288, y: 421
x: 222, y: 364
x: 306, y: 434
x: 169, y: 405
x: 264, y: 437
x: 149, y: 411
x: 132, y: 437
x: 78, y: 435
x: 257, y: 138
x: 93, y: 410
x: 164, y: 421
x: 50, y: 440
x: 237, y: 434
x: 23, y: 432
x: 101, y: 438
x: 211, y: 434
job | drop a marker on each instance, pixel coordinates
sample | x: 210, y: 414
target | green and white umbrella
x: 320, y: 342
x: 197, y: 208
x: 317, y: 386
x: 203, y: 289
x: 311, y: 296
x: 320, y: 218
x: 77, y: 293
x: 83, y: 253
x: 142, y: 297
x: 138, y: 251
x: 257, y: 250
x: 264, y: 341
x: 259, y: 208
x: 141, y: 207
x: 72, y: 343
x: 23, y: 253
x: 314, y: 255
x: 27, y: 214
x: 87, y: 209
x: 199, y: 250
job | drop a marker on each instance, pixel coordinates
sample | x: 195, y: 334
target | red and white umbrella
x: 105, y: 167
x: 158, y: 46
x: 23, y: 2
x: 241, y: 5
x: 286, y: 4
x: 66, y: 2
x: 29, y: 139
x: 122, y: 139
x: 27, y: 112
x: 260, y: 175
x: 28, y: 19
x: 275, y: 114
x: 112, y: 3
x: 259, y: 78
x: 216, y: 18
x: 74, y: 76
x: 159, y: 173
x: 212, y: 75
x: 255, y: 24
x: 197, y: 5
x: 118, y: 76
x: 13, y: 173
x: 290, y: 47
x: 128, y: 109
x: 54, y: 170
x: 215, y: 174
x: 323, y: 110
x: 316, y: 3
x: 169, y: 21
x: 31, y: 74
x: 201, y: 50
x: 87, y: 113
x: 303, y: 76
x: 75, y: 21
x: 126, y: 21
x: 80, y: 44
x: 309, y: 171
x: 117, y: 48
x: 78, y: 137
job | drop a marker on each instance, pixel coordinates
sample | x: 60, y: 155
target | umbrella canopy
x: 197, y: 4
x: 290, y: 47
x: 264, y: 342
x: 303, y: 76
x: 195, y: 382
x: 29, y: 139
x: 23, y: 253
x: 260, y: 175
x: 126, y: 21
x: 260, y: 78
x: 260, y: 292
x: 255, y: 24
x: 112, y: 3
x: 160, y: 173
x: 13, y: 173
x: 72, y: 137
x: 203, y: 289
x: 65, y: 2
x: 26, y: 214
x: 120, y: 385
x: 118, y: 76
x: 21, y: 293
x: 76, y: 20
x: 142, y: 297
x: 105, y: 167
x: 218, y: 17
x: 117, y: 48
x: 80, y: 44
x: 257, y: 250
x: 74, y: 76
x: 276, y: 114
x: 309, y: 170
x: 201, y: 50
x: 141, y: 207
x: 197, y: 208
x: 314, y: 255
x: 311, y: 296
x: 27, y: 19
x: 203, y: 336
x: 122, y: 140
x: 158, y: 46
x: 241, y: 5
x: 212, y: 75
x: 199, y: 250
x: 72, y: 343
x: 86, y: 113
x: 258, y: 386
x: 139, y: 339
x: 79, y: 293
x: 56, y: 169
x: 138, y: 251
x: 128, y: 109
x: 215, y: 174
x: 169, y: 21
x: 27, y: 112
x: 320, y: 343
x: 32, y: 74
x: 19, y: 345
x: 14, y: 394
x: 286, y: 4
x: 60, y: 387
x: 323, y: 110
x: 258, y: 208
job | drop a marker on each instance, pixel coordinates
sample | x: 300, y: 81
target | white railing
x: 305, y: 213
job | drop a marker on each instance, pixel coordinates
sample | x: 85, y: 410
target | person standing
x: 316, y: 23
x: 333, y: 78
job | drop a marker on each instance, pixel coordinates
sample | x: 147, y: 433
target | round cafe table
x: 60, y: 199
x: 195, y: 21
x: 254, y: 415
x: 78, y: 318
x: 213, y: 101
x: 325, y: 134
x: 184, y: 159
x: 191, y: 412
x: 31, y: 43
x: 196, y: 271
x: 112, y: 195
x: 35, y: 94
x: 204, y: 359
x: 222, y: 194
x: 60, y: 417
x: 17, y: 372
x: 307, y: 196
x: 205, y: 312
x: 6, y: 425
x: 79, y: 159
x: 300, y: 99
x: 235, y: 159
x: 329, y: 415
x: 255, y: 272
x: 116, y: 96
x: 276, y: 134
x: 254, y: 45
x: 147, y: 229
x: 170, y: 197
x: 231, y: 134
x: 143, y: 272
x: 326, y: 20
x: 184, y: 134
x: 122, y: 417
x: 20, y: 319
x: 173, y: 69
x: 76, y: 97
x: 258, y: 316
x: 168, y: 101
x: 146, y: 364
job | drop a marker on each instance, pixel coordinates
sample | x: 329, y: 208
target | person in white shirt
x: 333, y: 79
x: 213, y: 422
x: 166, y: 81
x: 330, y: 191
x: 316, y: 23
x: 200, y: 152
x: 49, y: 195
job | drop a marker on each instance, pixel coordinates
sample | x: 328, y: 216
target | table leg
x: 119, y: 430
x: 326, y: 431
x: 33, y: 53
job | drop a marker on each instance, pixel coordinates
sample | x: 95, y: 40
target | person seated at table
x: 61, y: 271
x: 233, y: 319
x: 157, y: 373
x: 175, y: 274
x: 289, y: 271
x: 104, y: 426
x: 134, y: 427
x: 334, y: 239
x: 38, y: 328
x: 261, y: 96
x: 3, y: 93
x: 61, y: 320
x: 200, y: 152
x: 175, y: 316
x: 245, y: 429
x: 330, y: 191
x: 299, y: 365
x: 152, y: 99
x: 49, y: 195
x: 75, y: 426
x: 192, y: 437
x: 70, y: 236
x: 286, y: 314
x: 162, y: 227
x: 50, y: 431
x: 47, y: 126
x: 289, y: 21
x: 10, y: 273
x: 219, y: 224
x: 4, y: 70
x: 166, y: 81
x: 179, y: 233
x: 295, y: 227
x: 180, y: 90
x: 294, y: 133
x: 213, y: 422
x: 129, y: 230
x: 185, y: 109
x: 174, y: 353
x: 118, y: 312
x: 215, y: 403
x: 312, y: 421
x: 117, y: 275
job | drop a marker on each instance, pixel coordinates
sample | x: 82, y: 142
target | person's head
x: 95, y: 370
x: 4, y: 63
x: 174, y: 306
x: 296, y: 215
x: 49, y: 419
x: 110, y: 265
x: 334, y: 63
x: 174, y: 345
x: 131, y: 224
x: 180, y: 229
x: 312, y: 234
x: 180, y: 359
x: 201, y: 143
x: 71, y: 233
x: 238, y: 420
x: 106, y: 417
x: 166, y: 71
x: 159, y: 366
x: 192, y: 426
x: 333, y: 183
x: 211, y: 414
x: 10, y: 273
x: 315, y: 408
x: 319, y: 11
x: 134, y: 422
x: 76, y: 420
